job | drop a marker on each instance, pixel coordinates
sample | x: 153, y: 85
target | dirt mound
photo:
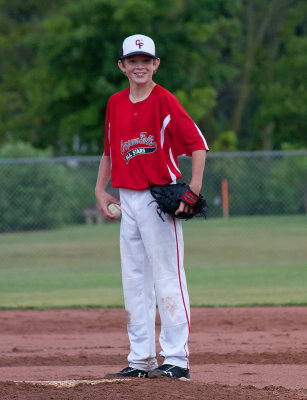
x: 236, y: 353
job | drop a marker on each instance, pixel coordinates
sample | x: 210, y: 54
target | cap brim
x: 135, y: 53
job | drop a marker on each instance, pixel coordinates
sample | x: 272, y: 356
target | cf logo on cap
x: 139, y: 43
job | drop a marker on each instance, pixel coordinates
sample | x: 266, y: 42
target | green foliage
x: 74, y: 72
x: 285, y: 99
x: 198, y: 103
x: 281, y: 89
x: 41, y: 196
x: 227, y: 141
x: 23, y: 150
x: 292, y: 173
x: 18, y: 21
x: 33, y: 197
x: 236, y: 66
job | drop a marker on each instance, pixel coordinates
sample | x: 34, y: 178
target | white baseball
x: 115, y: 210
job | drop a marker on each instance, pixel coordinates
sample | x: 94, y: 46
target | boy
x: 146, y: 130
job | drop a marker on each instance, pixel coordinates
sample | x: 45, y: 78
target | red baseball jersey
x: 144, y: 139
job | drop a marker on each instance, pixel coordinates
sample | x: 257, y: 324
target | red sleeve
x: 107, y: 133
x: 186, y: 136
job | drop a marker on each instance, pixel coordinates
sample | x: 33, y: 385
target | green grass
x: 240, y: 261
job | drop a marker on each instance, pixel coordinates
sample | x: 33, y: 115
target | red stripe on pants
x: 179, y: 276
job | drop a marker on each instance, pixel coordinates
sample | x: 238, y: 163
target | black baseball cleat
x: 170, y: 371
x: 129, y: 372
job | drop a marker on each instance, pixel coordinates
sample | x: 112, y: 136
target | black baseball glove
x: 168, y: 198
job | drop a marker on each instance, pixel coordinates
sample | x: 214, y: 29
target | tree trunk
x: 253, y: 41
x: 245, y: 81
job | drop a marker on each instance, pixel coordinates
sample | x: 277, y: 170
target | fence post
x: 225, y: 202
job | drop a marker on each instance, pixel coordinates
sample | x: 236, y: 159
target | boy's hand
x: 103, y: 199
x: 183, y: 207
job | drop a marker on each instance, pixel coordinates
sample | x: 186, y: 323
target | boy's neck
x: 140, y: 92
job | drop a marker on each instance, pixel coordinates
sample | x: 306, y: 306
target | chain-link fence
x: 49, y: 193
x: 259, y: 183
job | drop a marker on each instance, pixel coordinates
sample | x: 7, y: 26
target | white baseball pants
x: 152, y: 267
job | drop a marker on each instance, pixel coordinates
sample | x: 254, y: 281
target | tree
x: 237, y: 66
x: 263, y: 45
x: 282, y: 113
x: 17, y: 22
x: 75, y: 72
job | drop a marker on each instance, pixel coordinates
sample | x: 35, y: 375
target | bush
x: 34, y: 196
x: 23, y: 150
x: 41, y: 195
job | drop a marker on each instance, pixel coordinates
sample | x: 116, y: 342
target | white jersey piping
x: 164, y: 125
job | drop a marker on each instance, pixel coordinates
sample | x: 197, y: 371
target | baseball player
x: 146, y: 129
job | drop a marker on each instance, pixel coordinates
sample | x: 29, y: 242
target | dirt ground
x: 235, y: 354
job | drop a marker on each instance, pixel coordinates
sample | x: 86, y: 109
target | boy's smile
x: 139, y: 68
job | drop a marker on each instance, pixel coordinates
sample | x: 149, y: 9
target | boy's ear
x: 121, y: 66
x: 156, y: 64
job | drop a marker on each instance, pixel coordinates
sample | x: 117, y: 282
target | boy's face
x: 139, y: 68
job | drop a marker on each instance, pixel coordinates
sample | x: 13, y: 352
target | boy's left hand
x: 183, y: 207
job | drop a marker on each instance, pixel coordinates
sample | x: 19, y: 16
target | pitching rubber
x: 71, y: 383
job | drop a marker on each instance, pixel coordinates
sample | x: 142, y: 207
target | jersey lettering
x: 138, y: 151
x: 149, y: 141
